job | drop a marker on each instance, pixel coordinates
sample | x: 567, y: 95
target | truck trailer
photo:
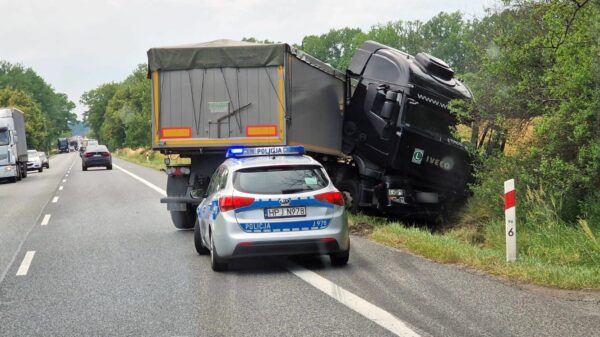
x: 382, y: 129
x: 13, y: 145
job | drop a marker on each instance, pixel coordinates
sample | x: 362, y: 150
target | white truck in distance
x: 13, y: 145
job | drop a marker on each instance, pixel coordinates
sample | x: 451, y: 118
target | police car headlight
x: 396, y: 193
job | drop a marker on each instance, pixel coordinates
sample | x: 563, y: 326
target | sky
x: 77, y: 45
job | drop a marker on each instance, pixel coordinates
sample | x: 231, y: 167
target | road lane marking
x: 64, y: 180
x: 60, y: 188
x: 55, y: 199
x: 24, y: 267
x: 352, y: 301
x: 46, y: 219
x: 142, y: 180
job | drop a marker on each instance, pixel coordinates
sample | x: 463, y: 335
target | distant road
x: 101, y: 257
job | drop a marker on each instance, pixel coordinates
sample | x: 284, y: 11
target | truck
x: 13, y: 145
x: 63, y: 145
x: 382, y: 129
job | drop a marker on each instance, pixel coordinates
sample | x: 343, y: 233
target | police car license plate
x: 285, y: 212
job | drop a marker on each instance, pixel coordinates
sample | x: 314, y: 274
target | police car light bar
x: 238, y: 152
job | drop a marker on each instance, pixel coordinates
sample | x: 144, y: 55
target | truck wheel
x: 349, y: 189
x: 198, y: 240
x: 183, y: 220
x: 24, y: 172
x: 19, y: 175
x: 216, y: 263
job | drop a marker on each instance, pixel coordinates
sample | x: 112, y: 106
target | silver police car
x: 271, y: 201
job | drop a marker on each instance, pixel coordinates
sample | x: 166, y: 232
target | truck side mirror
x: 390, y: 106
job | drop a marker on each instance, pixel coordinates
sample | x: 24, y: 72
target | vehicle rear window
x: 280, y: 179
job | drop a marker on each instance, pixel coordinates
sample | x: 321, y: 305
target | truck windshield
x: 429, y: 119
x: 4, y: 138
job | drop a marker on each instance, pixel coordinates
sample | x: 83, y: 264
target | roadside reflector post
x: 510, y: 220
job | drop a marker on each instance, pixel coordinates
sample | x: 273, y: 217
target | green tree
x: 35, y: 120
x: 55, y: 106
x: 97, y: 101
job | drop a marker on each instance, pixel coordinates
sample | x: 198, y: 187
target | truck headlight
x: 8, y: 168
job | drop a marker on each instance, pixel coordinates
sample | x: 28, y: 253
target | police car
x: 271, y: 201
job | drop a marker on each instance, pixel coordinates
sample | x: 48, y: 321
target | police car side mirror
x: 197, y: 194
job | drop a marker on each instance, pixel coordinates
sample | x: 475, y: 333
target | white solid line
x: 55, y: 199
x: 352, y: 301
x: 66, y: 175
x: 142, y: 180
x: 64, y: 180
x: 60, y: 188
x: 24, y: 267
x: 46, y: 219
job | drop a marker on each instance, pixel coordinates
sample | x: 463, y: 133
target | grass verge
x: 148, y: 158
x: 547, y: 265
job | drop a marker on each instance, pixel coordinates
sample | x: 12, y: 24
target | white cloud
x: 77, y: 45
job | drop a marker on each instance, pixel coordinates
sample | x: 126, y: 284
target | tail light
x: 105, y: 154
x: 335, y: 198
x: 229, y: 203
x: 88, y: 154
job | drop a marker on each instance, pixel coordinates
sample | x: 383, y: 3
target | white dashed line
x: 60, y: 188
x: 24, y: 267
x: 46, y: 219
x: 354, y: 302
x: 55, y: 199
x: 64, y: 180
x: 142, y: 180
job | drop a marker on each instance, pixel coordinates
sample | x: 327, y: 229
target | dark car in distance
x: 96, y: 156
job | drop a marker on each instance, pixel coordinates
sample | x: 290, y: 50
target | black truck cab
x: 398, y: 130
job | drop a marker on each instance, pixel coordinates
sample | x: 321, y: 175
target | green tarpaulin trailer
x: 223, y: 93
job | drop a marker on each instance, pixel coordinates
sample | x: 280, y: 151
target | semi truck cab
x: 398, y: 131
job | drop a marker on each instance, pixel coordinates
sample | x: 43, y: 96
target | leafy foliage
x: 50, y: 112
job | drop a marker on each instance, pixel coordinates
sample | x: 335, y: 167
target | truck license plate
x: 285, y: 212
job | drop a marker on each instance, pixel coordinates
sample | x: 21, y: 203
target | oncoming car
x: 271, y: 201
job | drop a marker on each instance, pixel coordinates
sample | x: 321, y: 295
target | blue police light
x: 238, y: 152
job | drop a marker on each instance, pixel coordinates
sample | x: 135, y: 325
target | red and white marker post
x: 511, y: 220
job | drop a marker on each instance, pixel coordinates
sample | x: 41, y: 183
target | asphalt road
x: 109, y: 263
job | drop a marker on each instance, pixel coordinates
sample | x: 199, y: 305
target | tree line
x: 47, y: 113
x: 533, y: 67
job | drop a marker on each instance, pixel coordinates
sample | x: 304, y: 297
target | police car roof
x: 258, y: 161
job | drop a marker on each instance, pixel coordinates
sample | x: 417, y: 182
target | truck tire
x: 24, y: 172
x: 198, y: 240
x: 349, y: 189
x: 19, y: 175
x: 183, y: 220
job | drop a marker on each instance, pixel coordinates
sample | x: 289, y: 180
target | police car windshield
x: 279, y: 179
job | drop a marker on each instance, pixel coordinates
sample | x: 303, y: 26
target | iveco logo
x: 284, y: 202
x: 417, y: 156
x: 446, y: 163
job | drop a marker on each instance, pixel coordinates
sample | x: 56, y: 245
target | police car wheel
x: 198, y: 240
x: 340, y: 259
x: 215, y: 260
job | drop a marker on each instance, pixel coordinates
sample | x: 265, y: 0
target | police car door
x: 210, y: 206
